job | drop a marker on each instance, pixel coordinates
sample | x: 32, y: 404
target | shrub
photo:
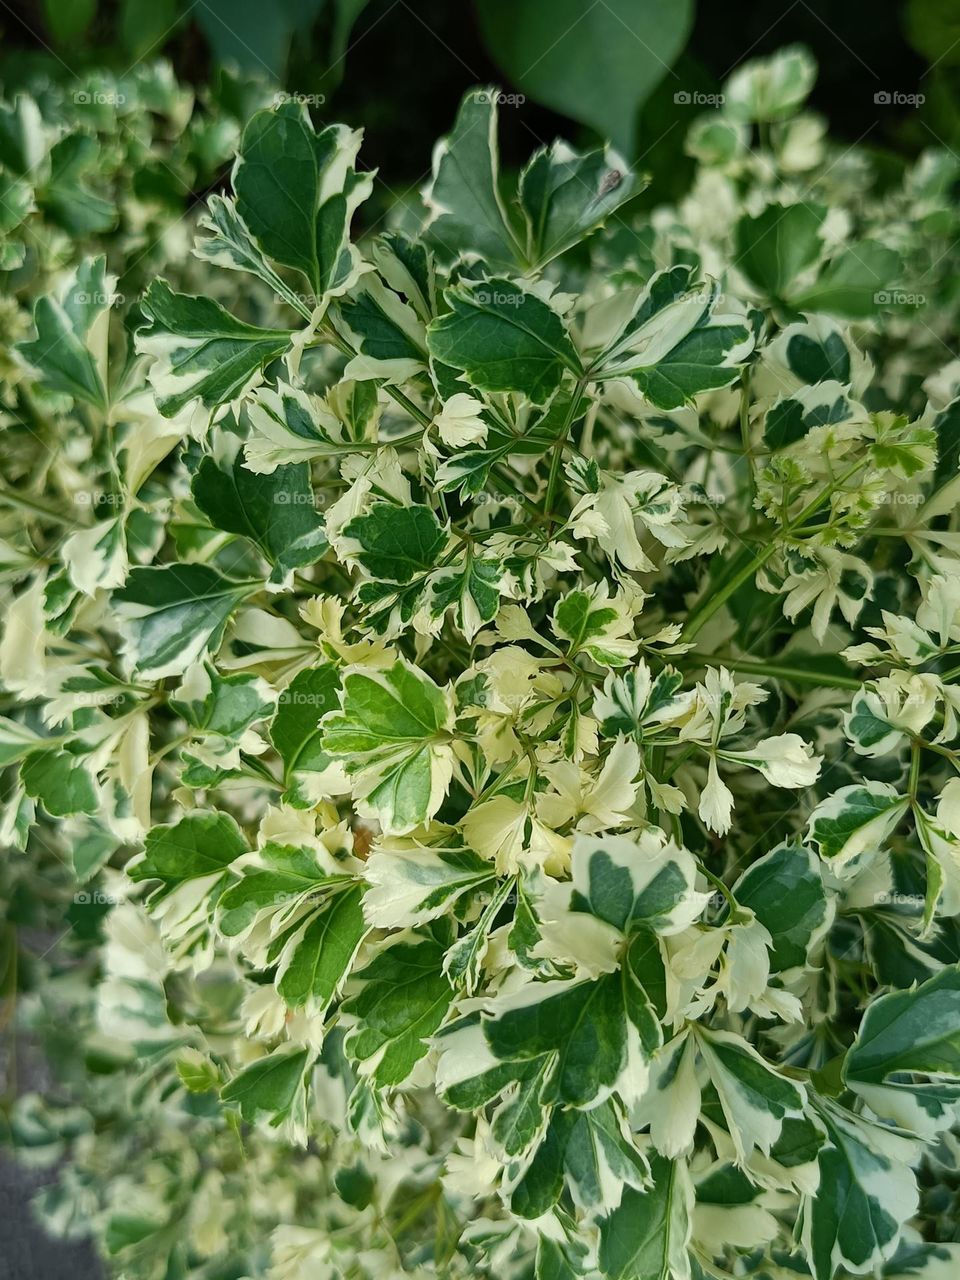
x: 496, y: 685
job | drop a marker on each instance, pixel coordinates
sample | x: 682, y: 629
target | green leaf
x: 596, y: 65
x: 867, y: 1192
x: 471, y: 589
x: 243, y: 33
x: 785, y: 891
x: 671, y: 341
x: 60, y: 781
x: 905, y: 1061
x: 413, y: 886
x: 315, y: 966
x: 391, y: 737
x: 855, y: 820
x: 200, y: 844
x: 296, y: 731
x: 503, y: 338
x: 401, y: 1002
x: 754, y: 1098
x: 592, y: 1027
x: 297, y: 191
x: 287, y: 878
x: 388, y: 334
x: 65, y: 196
x: 773, y: 248
x: 646, y: 1236
x: 201, y: 352
x: 634, y: 886
x: 396, y: 544
x: 174, y: 613
x: 66, y: 331
x: 563, y: 196
x: 467, y: 211
x: 277, y: 511
x: 272, y: 1085
x: 853, y: 283
x: 221, y: 705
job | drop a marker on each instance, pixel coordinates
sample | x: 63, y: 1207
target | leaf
x: 60, y: 781
x: 855, y: 820
x: 315, y: 966
x: 200, y: 844
x: 270, y: 1085
x: 773, y: 248
x: 503, y: 338
x: 277, y: 511
x: 853, y: 283
x: 646, y: 1236
x: 173, y: 614
x: 597, y: 65
x: 390, y: 737
x: 297, y: 191
x: 670, y: 340
x: 754, y: 1098
x: 592, y: 1152
x: 285, y: 879
x: 201, y: 352
x: 784, y: 889
x: 296, y: 730
x: 905, y: 1061
x: 470, y: 589
x: 867, y: 1192
x: 65, y: 196
x: 411, y: 887
x: 402, y: 1000
x: 633, y: 886
x: 65, y: 350
x: 396, y: 544
x: 222, y: 705
x: 387, y: 332
x: 563, y: 195
x: 463, y: 962
x: 289, y: 426
x: 592, y: 1027
x: 244, y: 34
x: 467, y: 211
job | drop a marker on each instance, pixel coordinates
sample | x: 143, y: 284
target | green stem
x: 709, y: 607
x: 775, y: 670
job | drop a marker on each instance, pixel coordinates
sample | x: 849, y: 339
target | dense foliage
x: 495, y: 684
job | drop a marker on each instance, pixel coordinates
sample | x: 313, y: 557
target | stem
x: 710, y: 606
x: 776, y: 670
